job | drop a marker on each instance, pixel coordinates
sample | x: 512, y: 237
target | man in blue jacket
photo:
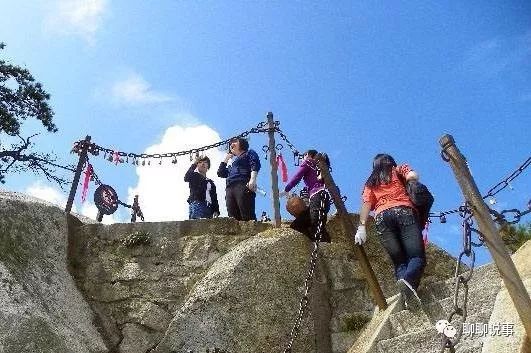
x: 241, y: 179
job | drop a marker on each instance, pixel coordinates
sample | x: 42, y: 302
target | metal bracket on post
x: 77, y: 175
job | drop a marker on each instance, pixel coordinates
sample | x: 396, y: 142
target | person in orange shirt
x: 396, y: 223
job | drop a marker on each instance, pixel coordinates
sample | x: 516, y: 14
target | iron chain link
x: 462, y: 279
x: 504, y: 183
x: 296, y: 154
x: 493, y: 191
x: 95, y: 149
x: 303, y: 304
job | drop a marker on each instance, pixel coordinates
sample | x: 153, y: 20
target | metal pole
x: 274, y: 168
x: 500, y: 255
x: 77, y: 175
x: 348, y: 228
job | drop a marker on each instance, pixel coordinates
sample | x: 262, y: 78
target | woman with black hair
x: 241, y: 175
x: 308, y: 222
x: 203, y: 199
x: 396, y: 223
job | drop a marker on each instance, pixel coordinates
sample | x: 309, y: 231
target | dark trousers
x: 400, y: 235
x: 308, y: 222
x: 240, y: 202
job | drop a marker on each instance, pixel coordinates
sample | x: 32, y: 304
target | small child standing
x: 203, y: 199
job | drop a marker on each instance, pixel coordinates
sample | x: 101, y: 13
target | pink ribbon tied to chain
x: 88, y: 175
x: 283, y: 169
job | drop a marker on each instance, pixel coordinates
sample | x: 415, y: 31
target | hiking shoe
x: 410, y: 296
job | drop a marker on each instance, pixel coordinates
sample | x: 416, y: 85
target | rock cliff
x: 70, y: 285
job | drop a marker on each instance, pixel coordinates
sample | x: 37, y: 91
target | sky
x: 351, y: 79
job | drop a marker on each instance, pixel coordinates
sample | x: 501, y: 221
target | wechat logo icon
x: 444, y: 327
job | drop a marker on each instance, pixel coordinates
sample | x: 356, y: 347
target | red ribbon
x: 283, y: 168
x: 86, y: 181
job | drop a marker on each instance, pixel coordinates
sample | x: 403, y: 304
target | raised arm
x: 223, y: 171
x: 296, y: 178
x: 188, y: 176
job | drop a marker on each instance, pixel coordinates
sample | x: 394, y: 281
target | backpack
x: 421, y: 197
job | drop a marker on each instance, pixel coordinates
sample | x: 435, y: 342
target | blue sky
x: 352, y: 79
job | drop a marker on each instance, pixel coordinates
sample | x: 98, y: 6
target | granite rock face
x: 136, y: 276
x: 41, y: 309
x: 247, y: 301
x: 80, y: 286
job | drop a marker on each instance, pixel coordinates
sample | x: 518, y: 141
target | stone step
x: 483, y: 287
x: 435, y: 291
x: 483, y: 276
x: 406, y: 321
x: 427, y: 340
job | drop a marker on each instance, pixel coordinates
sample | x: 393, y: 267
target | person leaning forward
x: 241, y: 177
x: 396, y: 223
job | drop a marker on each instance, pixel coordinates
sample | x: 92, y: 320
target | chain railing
x: 141, y: 158
x: 303, y: 304
x: 490, y: 194
x: 296, y: 154
x: 461, y: 278
x: 506, y: 182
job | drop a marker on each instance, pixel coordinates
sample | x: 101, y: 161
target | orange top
x: 389, y: 195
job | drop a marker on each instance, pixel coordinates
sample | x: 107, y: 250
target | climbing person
x: 308, y: 221
x: 396, y: 223
x: 241, y: 177
x: 203, y: 199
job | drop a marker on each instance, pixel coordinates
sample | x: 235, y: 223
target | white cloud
x: 135, y: 90
x: 91, y: 211
x: 161, y: 188
x: 49, y: 194
x: 76, y: 17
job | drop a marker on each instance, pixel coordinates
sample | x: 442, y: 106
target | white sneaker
x: 410, y: 296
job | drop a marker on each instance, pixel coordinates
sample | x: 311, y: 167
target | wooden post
x: 500, y: 255
x: 349, y: 228
x: 77, y: 175
x: 274, y: 168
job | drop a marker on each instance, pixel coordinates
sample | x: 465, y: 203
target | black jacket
x: 198, y: 188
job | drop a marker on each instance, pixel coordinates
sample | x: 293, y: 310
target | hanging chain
x: 303, y: 304
x: 296, y: 154
x: 95, y: 149
x: 493, y: 191
x: 504, y: 183
x: 501, y: 219
x: 462, y: 279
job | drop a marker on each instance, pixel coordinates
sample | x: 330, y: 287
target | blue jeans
x: 199, y: 209
x: 400, y: 235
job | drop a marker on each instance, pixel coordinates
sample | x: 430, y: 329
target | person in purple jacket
x: 307, y: 222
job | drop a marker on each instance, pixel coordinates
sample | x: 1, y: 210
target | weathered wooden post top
x: 480, y: 211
